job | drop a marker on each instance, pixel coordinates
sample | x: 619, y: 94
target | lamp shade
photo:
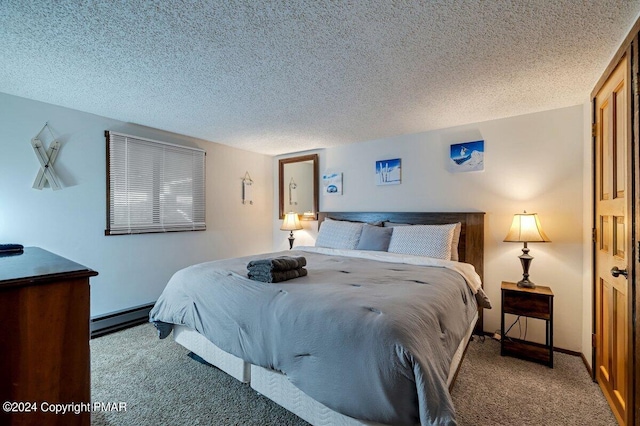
x: 526, y: 228
x: 291, y: 222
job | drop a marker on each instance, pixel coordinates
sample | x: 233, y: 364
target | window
x: 153, y: 186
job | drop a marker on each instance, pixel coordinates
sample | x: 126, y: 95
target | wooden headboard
x: 470, y: 247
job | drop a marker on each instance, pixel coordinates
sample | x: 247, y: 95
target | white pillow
x: 339, y: 234
x: 454, y: 241
x: 423, y: 240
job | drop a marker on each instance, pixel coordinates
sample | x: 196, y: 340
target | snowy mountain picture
x: 467, y: 157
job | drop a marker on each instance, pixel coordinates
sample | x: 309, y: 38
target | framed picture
x: 467, y: 157
x: 389, y: 172
x: 332, y: 183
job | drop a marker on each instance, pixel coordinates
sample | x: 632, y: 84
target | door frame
x: 630, y: 48
x: 634, y: 302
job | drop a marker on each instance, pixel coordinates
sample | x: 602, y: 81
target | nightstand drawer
x: 534, y: 303
x: 527, y: 304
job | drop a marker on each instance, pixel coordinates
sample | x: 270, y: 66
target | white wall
x: 533, y: 162
x: 133, y: 270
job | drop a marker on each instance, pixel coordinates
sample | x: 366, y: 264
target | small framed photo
x: 467, y: 157
x: 389, y: 172
x: 332, y: 183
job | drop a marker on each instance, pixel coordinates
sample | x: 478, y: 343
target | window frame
x: 196, y: 223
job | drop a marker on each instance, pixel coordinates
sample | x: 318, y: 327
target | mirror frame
x: 300, y: 159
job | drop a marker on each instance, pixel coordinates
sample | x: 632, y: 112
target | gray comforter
x: 372, y: 340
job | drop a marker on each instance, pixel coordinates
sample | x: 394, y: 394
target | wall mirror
x: 298, y: 184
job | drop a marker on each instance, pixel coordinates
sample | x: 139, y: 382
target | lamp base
x: 525, y: 283
x: 291, y: 240
x: 525, y: 260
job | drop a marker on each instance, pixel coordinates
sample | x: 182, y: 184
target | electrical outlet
x: 497, y: 336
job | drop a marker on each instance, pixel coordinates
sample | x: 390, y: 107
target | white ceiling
x: 283, y: 76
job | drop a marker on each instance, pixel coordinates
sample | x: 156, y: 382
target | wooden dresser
x: 44, y: 342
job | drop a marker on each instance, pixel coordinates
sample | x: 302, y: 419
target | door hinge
x: 593, y: 235
x: 593, y: 340
x: 594, y: 130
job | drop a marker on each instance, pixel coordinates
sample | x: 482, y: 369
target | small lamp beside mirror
x: 291, y: 223
x: 526, y: 228
x: 308, y: 216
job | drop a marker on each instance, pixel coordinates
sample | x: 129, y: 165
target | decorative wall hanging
x: 293, y: 193
x: 389, y: 172
x: 247, y: 189
x: 332, y: 183
x: 467, y: 157
x: 46, y: 158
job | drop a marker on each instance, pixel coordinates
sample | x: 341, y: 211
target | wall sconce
x: 247, y: 189
x: 293, y: 193
x: 526, y: 228
x: 291, y: 223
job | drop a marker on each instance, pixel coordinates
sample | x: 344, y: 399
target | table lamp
x: 526, y: 228
x: 308, y: 216
x: 291, y: 223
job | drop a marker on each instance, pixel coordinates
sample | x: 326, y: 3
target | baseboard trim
x: 555, y: 349
x: 119, y: 320
x: 586, y: 364
x: 566, y: 351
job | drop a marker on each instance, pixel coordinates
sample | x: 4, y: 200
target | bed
x: 368, y: 337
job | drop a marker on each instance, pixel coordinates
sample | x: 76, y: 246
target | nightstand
x: 531, y: 303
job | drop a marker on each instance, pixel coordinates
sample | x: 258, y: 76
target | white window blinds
x: 153, y: 186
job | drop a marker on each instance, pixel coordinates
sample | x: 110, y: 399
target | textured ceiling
x: 285, y: 76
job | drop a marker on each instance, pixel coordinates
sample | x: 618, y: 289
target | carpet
x: 161, y: 385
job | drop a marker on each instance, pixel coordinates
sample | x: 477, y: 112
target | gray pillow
x: 374, y: 238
